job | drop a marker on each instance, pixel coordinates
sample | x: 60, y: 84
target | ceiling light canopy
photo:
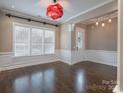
x: 97, y: 23
x: 55, y: 10
x: 103, y: 24
x: 110, y: 20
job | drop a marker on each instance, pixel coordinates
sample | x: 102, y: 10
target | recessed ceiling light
x: 109, y: 20
x: 97, y: 23
x: 103, y: 24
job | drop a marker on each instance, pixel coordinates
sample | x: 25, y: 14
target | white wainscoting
x: 5, y: 58
x: 65, y: 56
x: 97, y: 56
x: 78, y: 56
x: 103, y: 57
x: 7, y: 61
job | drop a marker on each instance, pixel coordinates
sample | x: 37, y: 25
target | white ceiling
x: 107, y: 16
x: 37, y: 8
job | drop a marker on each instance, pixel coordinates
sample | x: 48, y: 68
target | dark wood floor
x: 58, y: 77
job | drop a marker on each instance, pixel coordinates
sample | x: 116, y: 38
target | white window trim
x: 30, y: 26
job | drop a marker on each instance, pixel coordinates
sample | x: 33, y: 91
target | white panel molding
x: 97, y: 56
x: 103, y: 57
x: 65, y: 56
x: 9, y: 62
x: 117, y: 89
x: 78, y: 56
x: 5, y: 59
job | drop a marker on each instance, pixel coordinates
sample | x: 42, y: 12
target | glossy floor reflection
x: 58, y: 77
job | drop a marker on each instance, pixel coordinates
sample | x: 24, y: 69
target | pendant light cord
x: 54, y: 1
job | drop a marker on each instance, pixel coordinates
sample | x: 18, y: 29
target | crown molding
x: 90, y: 9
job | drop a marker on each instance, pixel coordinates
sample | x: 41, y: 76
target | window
x: 80, y: 38
x: 36, y: 41
x: 29, y: 41
x: 21, y: 41
x: 49, y: 42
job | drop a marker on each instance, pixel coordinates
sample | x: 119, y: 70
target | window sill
x: 33, y: 56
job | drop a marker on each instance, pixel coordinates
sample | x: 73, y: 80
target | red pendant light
x: 55, y: 11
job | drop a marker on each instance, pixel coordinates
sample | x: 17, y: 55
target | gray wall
x: 102, y: 38
x: 5, y: 33
x: 65, y: 39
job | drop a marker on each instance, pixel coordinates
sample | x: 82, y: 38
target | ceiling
x: 107, y: 16
x: 37, y: 8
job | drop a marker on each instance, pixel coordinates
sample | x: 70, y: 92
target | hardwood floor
x: 58, y: 77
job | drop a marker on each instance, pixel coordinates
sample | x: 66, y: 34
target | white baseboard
x: 5, y: 53
x: 65, y: 61
x: 14, y: 66
x: 117, y: 89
